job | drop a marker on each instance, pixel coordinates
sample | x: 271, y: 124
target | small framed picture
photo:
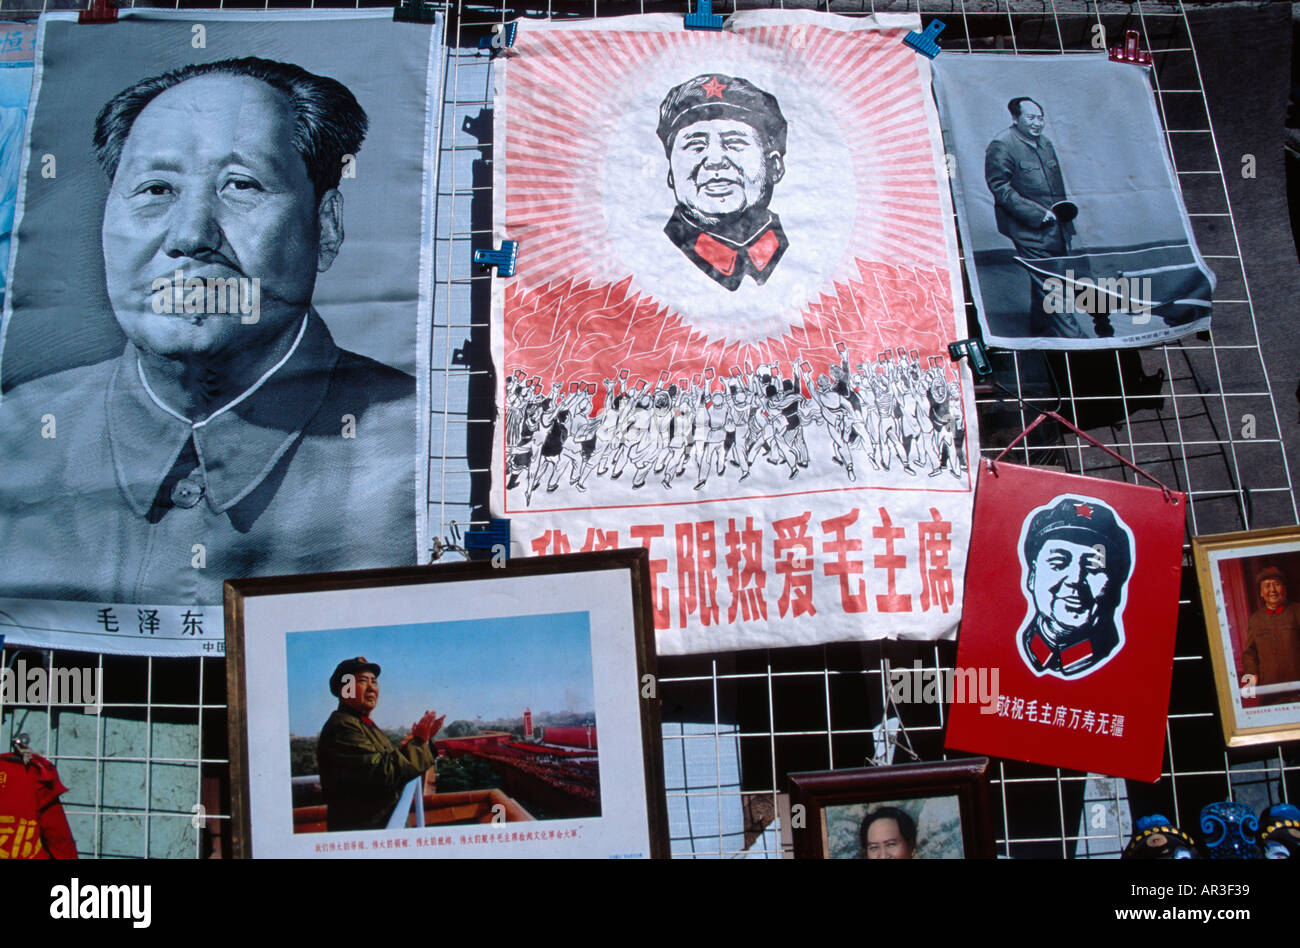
x: 473, y: 710
x: 1250, y: 588
x: 928, y: 810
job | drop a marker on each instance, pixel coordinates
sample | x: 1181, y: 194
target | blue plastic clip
x: 504, y: 259
x: 417, y: 11
x: 496, y: 535
x: 979, y: 357
x: 926, y: 43
x: 503, y: 37
x: 703, y: 18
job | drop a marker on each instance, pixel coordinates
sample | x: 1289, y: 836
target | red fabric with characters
x: 1072, y: 599
x: 32, y: 822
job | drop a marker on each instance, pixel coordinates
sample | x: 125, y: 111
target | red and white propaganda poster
x: 725, y: 338
x: 1071, y: 611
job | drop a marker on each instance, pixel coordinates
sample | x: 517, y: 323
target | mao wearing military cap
x: 361, y: 773
x: 348, y: 669
x: 725, y: 142
x: 1077, y: 556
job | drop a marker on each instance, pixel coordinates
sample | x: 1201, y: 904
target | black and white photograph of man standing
x: 1069, y: 211
x: 1024, y: 175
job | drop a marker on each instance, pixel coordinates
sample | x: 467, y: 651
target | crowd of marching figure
x: 891, y: 411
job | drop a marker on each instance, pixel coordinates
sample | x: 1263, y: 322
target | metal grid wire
x: 813, y: 708
x: 147, y: 770
x: 737, y: 723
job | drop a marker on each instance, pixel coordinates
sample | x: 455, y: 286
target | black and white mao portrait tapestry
x: 213, y: 363
x: 1073, y: 224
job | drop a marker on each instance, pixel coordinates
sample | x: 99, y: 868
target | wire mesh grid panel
x: 736, y: 724
x: 145, y: 758
x: 148, y: 769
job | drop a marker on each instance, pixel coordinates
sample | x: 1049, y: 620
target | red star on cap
x: 1083, y: 510
x: 713, y: 88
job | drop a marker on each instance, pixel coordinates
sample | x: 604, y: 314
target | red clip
x: 99, y: 11
x: 1131, y: 51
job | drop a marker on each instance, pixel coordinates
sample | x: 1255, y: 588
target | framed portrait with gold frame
x: 1250, y: 589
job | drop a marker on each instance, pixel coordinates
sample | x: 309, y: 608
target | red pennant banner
x: 1071, y: 607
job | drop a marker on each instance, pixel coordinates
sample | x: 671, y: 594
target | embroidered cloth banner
x: 214, y: 349
x: 725, y: 338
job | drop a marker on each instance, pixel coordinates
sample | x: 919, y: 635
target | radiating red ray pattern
x: 567, y: 90
x: 609, y: 328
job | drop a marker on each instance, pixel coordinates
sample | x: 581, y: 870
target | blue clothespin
x: 979, y: 357
x: 417, y: 11
x: 503, y: 37
x: 703, y: 18
x: 504, y: 259
x: 487, y: 540
x: 926, y: 43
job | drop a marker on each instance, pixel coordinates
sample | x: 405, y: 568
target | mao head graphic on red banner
x: 725, y: 142
x: 1076, y: 557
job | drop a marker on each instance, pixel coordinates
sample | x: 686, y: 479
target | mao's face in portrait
x: 886, y: 841
x: 717, y: 168
x: 364, y: 693
x: 1068, y: 582
x: 1273, y: 592
x: 1030, y: 120
x: 209, y: 184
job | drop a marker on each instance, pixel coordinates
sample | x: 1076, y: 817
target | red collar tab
x: 1042, y: 651
x: 761, y: 251
x: 716, y: 254
x: 1070, y: 657
x: 1079, y: 652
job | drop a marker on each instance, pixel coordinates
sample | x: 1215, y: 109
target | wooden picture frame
x: 947, y: 791
x: 1229, y: 568
x: 551, y: 647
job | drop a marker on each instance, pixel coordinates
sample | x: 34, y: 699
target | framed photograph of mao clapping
x: 925, y: 810
x: 1250, y: 589
x: 1075, y: 230
x: 469, y: 710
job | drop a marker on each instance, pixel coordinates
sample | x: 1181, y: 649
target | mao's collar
x: 237, y: 445
x: 739, y: 230
x: 363, y: 718
x: 1031, y: 142
x: 1068, y: 659
x: 726, y: 259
